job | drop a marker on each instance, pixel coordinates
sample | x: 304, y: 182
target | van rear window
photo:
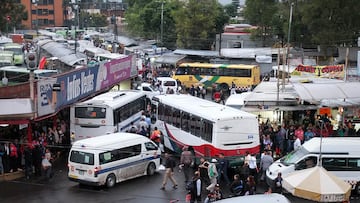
x: 169, y: 83
x: 82, y: 157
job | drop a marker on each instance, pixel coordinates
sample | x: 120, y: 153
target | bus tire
x: 110, y: 180
x: 357, y: 189
x: 224, y: 87
x: 151, y: 169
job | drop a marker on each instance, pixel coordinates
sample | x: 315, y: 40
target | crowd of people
x: 35, y: 159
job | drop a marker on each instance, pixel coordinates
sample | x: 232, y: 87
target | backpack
x: 133, y: 129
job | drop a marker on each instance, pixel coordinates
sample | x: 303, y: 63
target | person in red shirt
x: 299, y: 132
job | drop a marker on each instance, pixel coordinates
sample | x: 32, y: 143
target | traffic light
x: 8, y: 18
x: 31, y: 61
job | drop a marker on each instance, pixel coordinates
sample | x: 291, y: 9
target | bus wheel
x: 110, y: 180
x: 357, y: 189
x: 224, y: 87
x: 151, y: 169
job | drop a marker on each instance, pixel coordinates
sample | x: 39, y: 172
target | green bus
x: 18, y: 52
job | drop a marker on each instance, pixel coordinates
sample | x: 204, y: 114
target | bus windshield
x: 294, y: 156
x: 16, y: 50
x: 90, y: 112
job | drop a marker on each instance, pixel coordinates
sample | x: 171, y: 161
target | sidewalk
x: 12, y: 176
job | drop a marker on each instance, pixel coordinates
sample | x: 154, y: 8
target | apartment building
x: 43, y: 13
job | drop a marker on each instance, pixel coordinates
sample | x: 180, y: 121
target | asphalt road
x: 139, y: 190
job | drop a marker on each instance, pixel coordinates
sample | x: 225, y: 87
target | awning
x: 278, y: 108
x: 16, y: 108
x: 330, y: 94
x: 169, y: 58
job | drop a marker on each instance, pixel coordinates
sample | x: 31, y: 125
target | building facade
x: 43, y: 13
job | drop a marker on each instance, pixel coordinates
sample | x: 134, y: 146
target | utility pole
x: 288, y: 39
x: 162, y: 22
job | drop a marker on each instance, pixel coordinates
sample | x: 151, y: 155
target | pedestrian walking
x: 223, y: 169
x: 265, y: 162
x: 169, y: 171
x: 213, y: 174
x: 195, y: 189
x: 186, y: 163
x: 278, y: 184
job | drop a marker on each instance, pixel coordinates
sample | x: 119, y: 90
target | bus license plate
x: 81, y: 172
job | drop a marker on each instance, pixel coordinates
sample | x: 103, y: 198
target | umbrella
x: 317, y: 184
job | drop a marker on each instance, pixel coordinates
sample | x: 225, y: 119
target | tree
x: 231, y: 10
x: 144, y: 20
x: 331, y: 23
x: 197, y: 23
x: 16, y: 13
x: 260, y: 13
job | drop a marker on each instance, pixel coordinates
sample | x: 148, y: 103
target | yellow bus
x: 221, y: 75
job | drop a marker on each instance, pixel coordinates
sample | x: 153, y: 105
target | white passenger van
x: 258, y: 198
x: 166, y: 83
x: 112, y: 158
x: 237, y: 100
x: 339, y: 155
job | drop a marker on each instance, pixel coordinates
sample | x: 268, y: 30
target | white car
x: 148, y: 89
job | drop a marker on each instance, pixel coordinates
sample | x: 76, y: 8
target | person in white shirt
x: 297, y: 143
x: 253, y: 169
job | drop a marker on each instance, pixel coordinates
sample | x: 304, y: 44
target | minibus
x: 112, y: 158
x: 167, y: 83
x: 338, y: 155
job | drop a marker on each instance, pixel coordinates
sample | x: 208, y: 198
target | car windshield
x: 294, y: 156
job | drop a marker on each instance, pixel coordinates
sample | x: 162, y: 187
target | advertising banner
x: 331, y: 71
x: 80, y: 83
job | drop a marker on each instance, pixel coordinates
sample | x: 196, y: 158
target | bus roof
x: 107, y: 142
x: 201, y: 107
x: 212, y: 65
x: 333, y: 145
x: 7, y: 45
x: 6, y: 53
x: 19, y: 69
x: 113, y: 99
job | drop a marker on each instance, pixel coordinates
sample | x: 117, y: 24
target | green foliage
x: 314, y: 22
x: 197, y: 23
x: 92, y: 20
x: 191, y: 24
x: 16, y: 12
x: 230, y: 10
x: 331, y: 23
x: 260, y: 13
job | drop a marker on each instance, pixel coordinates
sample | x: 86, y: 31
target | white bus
x: 106, y: 113
x: 208, y: 127
x: 339, y: 155
x: 18, y: 74
x: 113, y: 158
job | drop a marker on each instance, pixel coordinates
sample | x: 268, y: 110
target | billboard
x: 80, y: 83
